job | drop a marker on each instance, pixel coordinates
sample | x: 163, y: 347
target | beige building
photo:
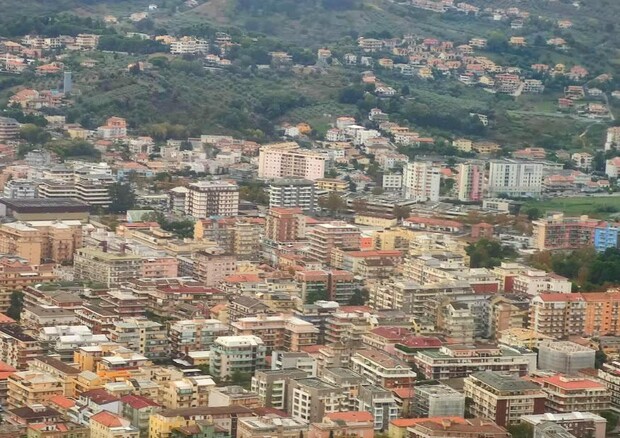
x: 16, y: 347
x: 187, y: 392
x: 108, y: 268
x: 27, y: 388
x: 211, y: 269
x: 271, y: 427
x: 142, y: 336
x: 279, y: 332
x: 324, y: 237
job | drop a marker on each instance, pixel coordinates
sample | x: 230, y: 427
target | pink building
x: 470, y: 182
x: 283, y: 160
x: 160, y: 267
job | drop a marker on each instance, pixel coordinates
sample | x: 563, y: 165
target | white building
x: 292, y: 193
x: 392, y: 182
x: 515, y: 178
x: 188, y: 45
x: 230, y: 354
x: 212, y: 198
x: 421, y: 181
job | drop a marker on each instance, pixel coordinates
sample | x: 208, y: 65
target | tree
x: 34, y: 134
x: 334, y: 203
x: 122, y: 196
x: 401, y: 212
x: 487, y: 253
x: 316, y: 295
x: 17, y: 304
x: 359, y: 297
x: 612, y: 420
x: 599, y: 358
x: 522, y: 430
x: 533, y: 213
x: 360, y: 206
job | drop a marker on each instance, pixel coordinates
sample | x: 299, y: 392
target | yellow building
x: 162, y: 424
x: 27, y: 388
x: 59, y: 369
x: 332, y: 185
x: 375, y: 220
x: 186, y: 393
x: 393, y: 239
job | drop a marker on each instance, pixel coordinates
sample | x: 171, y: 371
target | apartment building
x: 111, y: 269
x: 247, y: 239
x: 42, y: 241
x: 460, y: 361
x: 292, y: 193
x: 231, y: 354
x: 601, y: 315
x: 470, y: 182
x: 574, y: 394
x: 472, y: 428
x: 325, y: 237
x: 86, y: 41
x: 16, y: 347
x: 564, y: 357
x: 558, y: 232
x: 211, y: 269
x: 271, y: 426
x: 332, y: 184
x: 506, y: 312
x: 310, y: 399
x: 609, y: 374
x: 502, y: 398
x: 185, y: 392
x: 114, y: 128
x: 194, y: 335
x: 20, y: 188
x: 575, y: 423
x: 138, y: 409
x: 188, y: 46
x: 271, y: 386
x: 339, y: 286
x: 381, y: 404
x: 280, y: 332
x: 436, y: 401
x: 558, y: 315
x: 285, y: 224
x: 283, y: 160
x: 421, y: 181
x: 142, y: 336
x: 29, y: 388
x: 514, y: 178
x: 65, y: 429
x: 212, y: 198
x: 533, y: 282
x: 9, y: 128
x: 381, y: 369
x: 162, y: 424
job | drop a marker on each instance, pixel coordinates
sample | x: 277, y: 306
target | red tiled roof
x: 4, y: 319
x: 62, y: 401
x: 352, y: 416
x: 549, y: 297
x: 570, y: 383
x: 408, y: 422
x: 99, y: 396
x: 107, y: 419
x: 138, y: 401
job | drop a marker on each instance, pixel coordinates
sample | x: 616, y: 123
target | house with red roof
x: 108, y: 425
x: 356, y: 423
x: 138, y: 409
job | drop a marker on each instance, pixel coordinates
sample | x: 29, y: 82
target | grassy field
x: 595, y: 206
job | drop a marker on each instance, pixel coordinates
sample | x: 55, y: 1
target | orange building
x: 602, y: 314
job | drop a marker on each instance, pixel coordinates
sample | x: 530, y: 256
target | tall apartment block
x: 515, y: 178
x: 292, y: 193
x: 283, y: 160
x: 324, y: 237
x: 421, y: 181
x: 470, y: 182
x: 212, y: 198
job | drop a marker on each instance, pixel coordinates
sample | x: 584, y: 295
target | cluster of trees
x: 293, y: 9
x: 52, y: 26
x: 117, y: 43
x: 588, y: 269
x: 487, y: 253
x: 254, y: 192
x: 122, y: 196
